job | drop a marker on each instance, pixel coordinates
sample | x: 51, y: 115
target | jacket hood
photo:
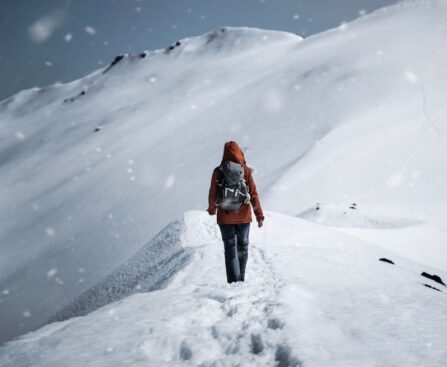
x: 233, y: 152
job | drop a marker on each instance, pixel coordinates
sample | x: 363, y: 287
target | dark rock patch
x: 435, y: 278
x: 171, y: 47
x: 74, y: 98
x: 384, y: 259
x: 353, y: 206
x: 114, y: 62
x: 429, y: 286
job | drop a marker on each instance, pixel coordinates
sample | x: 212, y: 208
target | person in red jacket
x: 235, y: 225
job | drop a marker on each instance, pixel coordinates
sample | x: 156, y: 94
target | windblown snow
x: 347, y: 131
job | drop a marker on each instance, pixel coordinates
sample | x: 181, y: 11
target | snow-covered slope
x: 352, y: 114
x: 313, y: 297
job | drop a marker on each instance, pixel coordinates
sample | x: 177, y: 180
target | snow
x: 314, y: 296
x: 340, y: 117
x: 90, y: 30
x: 42, y: 29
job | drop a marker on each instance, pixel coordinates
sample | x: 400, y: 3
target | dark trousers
x: 235, y: 238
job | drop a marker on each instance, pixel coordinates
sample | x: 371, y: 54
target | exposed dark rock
x: 353, y: 206
x: 74, y: 98
x: 386, y: 260
x: 215, y: 34
x: 144, y: 54
x: 171, y: 47
x: 114, y: 62
x: 435, y: 278
x: 97, y: 129
x: 429, y: 286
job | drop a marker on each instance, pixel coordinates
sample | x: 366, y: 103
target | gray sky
x: 45, y: 41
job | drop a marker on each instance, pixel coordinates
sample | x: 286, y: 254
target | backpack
x: 232, y: 191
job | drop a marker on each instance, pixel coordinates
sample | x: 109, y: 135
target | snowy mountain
x: 93, y: 169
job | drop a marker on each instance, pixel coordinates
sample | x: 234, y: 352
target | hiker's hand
x: 260, y: 223
x: 211, y: 211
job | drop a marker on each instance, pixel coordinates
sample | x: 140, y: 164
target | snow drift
x: 92, y: 169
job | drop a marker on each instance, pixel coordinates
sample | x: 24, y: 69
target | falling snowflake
x: 296, y: 16
x: 49, y: 231
x: 410, y: 76
x: 68, y: 37
x: 51, y: 273
x: 44, y: 27
x: 5, y: 291
x: 27, y: 314
x: 130, y: 161
x: 20, y: 135
x: 90, y: 30
x: 48, y: 63
x: 153, y: 80
x: 170, y: 181
x: 59, y: 281
x: 362, y: 12
x: 138, y: 9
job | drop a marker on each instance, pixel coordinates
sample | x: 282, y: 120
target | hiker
x: 231, y: 192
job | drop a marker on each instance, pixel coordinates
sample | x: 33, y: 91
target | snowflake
x: 51, y: 273
x: 169, y: 181
x: 49, y: 231
x: 44, y: 27
x: 68, y: 37
x: 410, y: 76
x: 90, y: 30
x: 27, y: 314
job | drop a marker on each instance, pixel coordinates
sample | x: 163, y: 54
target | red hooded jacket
x: 232, y: 152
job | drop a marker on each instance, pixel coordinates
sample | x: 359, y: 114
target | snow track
x: 247, y: 328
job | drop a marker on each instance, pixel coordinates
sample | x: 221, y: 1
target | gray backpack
x: 232, y: 191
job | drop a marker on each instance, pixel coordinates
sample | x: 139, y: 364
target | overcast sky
x: 46, y: 41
